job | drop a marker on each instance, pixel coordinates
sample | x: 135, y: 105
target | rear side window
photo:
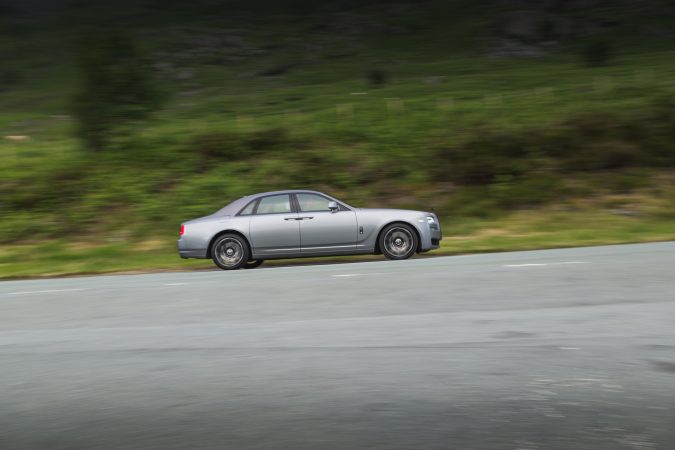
x: 248, y: 210
x: 274, y: 204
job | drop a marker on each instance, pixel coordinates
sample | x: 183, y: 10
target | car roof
x: 234, y: 207
x: 288, y: 191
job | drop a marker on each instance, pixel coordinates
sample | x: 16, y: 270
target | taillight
x: 182, y: 230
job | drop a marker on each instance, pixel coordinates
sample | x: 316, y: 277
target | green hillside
x: 523, y: 127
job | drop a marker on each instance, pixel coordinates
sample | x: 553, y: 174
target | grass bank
x: 525, y: 230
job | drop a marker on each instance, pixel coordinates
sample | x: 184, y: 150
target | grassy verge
x: 525, y: 230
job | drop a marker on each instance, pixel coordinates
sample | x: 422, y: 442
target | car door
x: 275, y: 228
x: 323, y: 231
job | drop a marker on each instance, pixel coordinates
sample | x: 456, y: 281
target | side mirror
x: 333, y: 206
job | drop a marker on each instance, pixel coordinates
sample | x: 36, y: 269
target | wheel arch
x: 220, y: 233
x: 378, y: 250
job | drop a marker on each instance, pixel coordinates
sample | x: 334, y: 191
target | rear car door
x: 323, y: 231
x: 274, y: 227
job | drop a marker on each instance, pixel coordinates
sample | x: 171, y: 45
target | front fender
x: 372, y: 221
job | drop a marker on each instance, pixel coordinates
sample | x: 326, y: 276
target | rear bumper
x: 185, y: 254
x: 184, y: 250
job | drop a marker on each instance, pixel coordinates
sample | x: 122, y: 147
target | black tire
x: 398, y: 241
x: 253, y: 264
x: 230, y: 252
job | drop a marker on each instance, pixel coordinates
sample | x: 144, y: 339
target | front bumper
x: 436, y: 237
x: 430, y: 238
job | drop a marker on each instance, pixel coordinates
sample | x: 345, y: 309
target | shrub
x: 628, y: 182
x: 602, y: 155
x: 116, y: 87
x: 606, y: 141
x: 472, y: 202
x: 483, y: 157
x: 377, y: 77
x: 224, y: 145
x: 267, y: 140
x: 530, y: 191
x: 219, y: 145
x: 8, y: 77
x: 597, y: 53
x: 584, y: 143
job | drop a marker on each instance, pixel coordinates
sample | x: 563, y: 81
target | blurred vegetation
x: 586, y: 142
x: 517, y: 140
x: 116, y: 86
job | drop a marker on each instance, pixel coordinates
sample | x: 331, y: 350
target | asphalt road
x: 560, y: 349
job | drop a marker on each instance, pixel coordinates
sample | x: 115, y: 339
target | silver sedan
x: 292, y: 224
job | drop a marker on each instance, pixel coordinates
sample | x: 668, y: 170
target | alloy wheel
x: 398, y: 241
x: 229, y: 252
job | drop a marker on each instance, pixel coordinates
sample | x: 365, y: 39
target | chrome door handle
x: 299, y: 218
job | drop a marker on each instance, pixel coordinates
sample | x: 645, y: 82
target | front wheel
x: 230, y: 252
x: 398, y: 241
x: 253, y: 264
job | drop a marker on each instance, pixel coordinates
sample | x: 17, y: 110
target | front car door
x: 323, y: 231
x: 275, y: 228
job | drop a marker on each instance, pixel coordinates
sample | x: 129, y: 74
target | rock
x: 17, y: 137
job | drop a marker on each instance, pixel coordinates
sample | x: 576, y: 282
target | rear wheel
x: 252, y: 264
x: 398, y: 241
x: 230, y: 252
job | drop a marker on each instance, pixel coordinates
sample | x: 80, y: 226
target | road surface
x: 558, y: 349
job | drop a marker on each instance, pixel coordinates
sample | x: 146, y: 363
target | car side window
x: 312, y: 202
x: 248, y: 210
x: 274, y: 204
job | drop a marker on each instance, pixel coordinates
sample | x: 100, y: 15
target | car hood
x: 390, y: 210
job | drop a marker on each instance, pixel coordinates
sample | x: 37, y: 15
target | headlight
x: 432, y: 222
